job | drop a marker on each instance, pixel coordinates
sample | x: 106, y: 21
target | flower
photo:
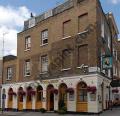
x: 115, y: 91
x: 70, y: 90
x: 12, y: 93
x: 92, y: 89
x: 31, y: 92
x: 55, y: 91
x: 22, y: 93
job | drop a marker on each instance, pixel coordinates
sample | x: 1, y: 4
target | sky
x: 13, y: 13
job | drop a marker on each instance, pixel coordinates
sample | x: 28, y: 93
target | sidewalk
x: 11, y: 113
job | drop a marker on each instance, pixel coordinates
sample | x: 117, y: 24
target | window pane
x: 44, y: 63
x: 27, y: 43
x: 27, y: 67
x: 44, y: 36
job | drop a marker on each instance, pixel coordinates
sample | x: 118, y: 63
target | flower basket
x: 12, y: 93
x: 115, y: 91
x: 31, y: 92
x: 22, y: 93
x: 55, y: 91
x: 91, y: 89
x: 70, y: 90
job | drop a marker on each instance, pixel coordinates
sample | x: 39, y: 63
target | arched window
x: 39, y: 93
x: 82, y: 92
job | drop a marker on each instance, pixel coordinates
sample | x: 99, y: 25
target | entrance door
x: 39, y: 96
x: 29, y: 99
x: 82, y: 105
x: 20, y: 99
x: 50, y: 98
x: 20, y: 102
x: 10, y: 98
x: 62, y: 96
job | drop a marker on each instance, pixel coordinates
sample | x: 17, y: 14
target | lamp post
x: 3, y: 96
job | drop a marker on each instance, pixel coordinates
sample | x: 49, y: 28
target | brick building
x: 64, y: 56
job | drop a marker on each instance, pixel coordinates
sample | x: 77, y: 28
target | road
x: 114, y: 112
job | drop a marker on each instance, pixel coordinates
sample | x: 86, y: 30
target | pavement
x: 114, y: 112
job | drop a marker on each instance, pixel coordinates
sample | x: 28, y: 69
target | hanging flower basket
x: 22, y: 93
x: 115, y: 91
x: 91, y: 89
x: 12, y: 93
x: 70, y: 90
x: 31, y: 92
x: 55, y: 91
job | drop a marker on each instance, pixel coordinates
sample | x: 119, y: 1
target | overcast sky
x: 14, y: 12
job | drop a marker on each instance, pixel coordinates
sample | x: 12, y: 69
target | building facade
x: 64, y: 59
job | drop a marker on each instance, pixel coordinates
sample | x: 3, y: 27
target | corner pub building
x: 63, y: 55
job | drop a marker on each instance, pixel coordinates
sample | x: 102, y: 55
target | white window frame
x: 44, y: 64
x: 44, y: 36
x: 9, y: 73
x: 27, y: 43
x: 27, y: 68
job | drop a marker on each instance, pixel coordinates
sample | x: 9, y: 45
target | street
x: 114, y: 112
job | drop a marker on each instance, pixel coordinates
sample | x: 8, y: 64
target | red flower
x: 22, y: 93
x: 31, y: 92
x: 70, y: 90
x: 55, y: 91
x: 115, y: 91
x: 12, y: 93
x: 91, y: 89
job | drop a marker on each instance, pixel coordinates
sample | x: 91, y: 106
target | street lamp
x: 2, y: 66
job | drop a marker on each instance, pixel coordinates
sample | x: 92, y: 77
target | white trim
x: 82, y: 32
x: 43, y: 72
x: 44, y: 44
x: 65, y: 69
x: 66, y: 37
x: 27, y: 50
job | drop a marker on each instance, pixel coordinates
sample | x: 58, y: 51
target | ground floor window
x: 82, y: 92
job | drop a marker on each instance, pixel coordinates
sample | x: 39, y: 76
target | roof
x: 9, y: 58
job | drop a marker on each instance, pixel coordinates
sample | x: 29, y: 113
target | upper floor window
x: 83, y: 55
x: 27, y: 43
x: 9, y: 73
x: 82, y: 22
x: 44, y: 36
x: 66, y: 28
x: 44, y: 63
x: 67, y: 59
x: 27, y: 68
